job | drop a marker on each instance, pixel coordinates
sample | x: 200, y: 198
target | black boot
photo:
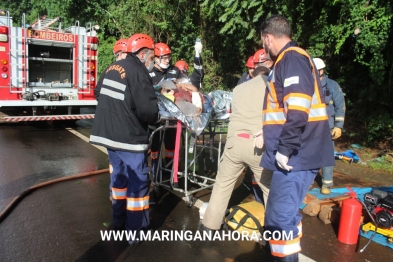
x: 202, y: 228
x: 290, y: 258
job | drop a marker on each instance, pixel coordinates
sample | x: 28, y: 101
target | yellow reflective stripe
x: 278, y: 116
x: 272, y: 97
x: 271, y: 104
x: 303, y: 52
x: 119, y: 193
x: 274, y: 116
x: 282, y: 248
x: 137, y: 204
x: 298, y: 101
x: 317, y: 113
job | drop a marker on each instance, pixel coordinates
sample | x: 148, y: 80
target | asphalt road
x: 62, y: 222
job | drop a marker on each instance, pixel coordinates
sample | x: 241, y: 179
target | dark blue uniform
x: 335, y: 107
x: 126, y: 106
x: 295, y: 124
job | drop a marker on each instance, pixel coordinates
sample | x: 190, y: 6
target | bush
x: 379, y: 128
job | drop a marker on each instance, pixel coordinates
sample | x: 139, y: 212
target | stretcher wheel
x: 190, y: 200
x: 156, y: 191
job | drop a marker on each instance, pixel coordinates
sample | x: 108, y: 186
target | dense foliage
x: 354, y: 37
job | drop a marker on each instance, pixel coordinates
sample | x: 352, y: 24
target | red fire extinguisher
x: 351, y: 213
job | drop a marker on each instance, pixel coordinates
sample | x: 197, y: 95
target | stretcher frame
x: 215, y: 127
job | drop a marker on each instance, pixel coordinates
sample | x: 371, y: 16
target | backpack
x: 248, y: 216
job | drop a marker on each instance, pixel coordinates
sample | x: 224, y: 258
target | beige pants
x: 239, y: 152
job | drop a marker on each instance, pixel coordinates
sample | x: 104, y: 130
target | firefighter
x: 242, y: 148
x: 127, y: 104
x: 296, y: 134
x: 335, y: 107
x: 120, y: 49
x: 197, y: 75
x: 163, y: 70
x: 250, y: 68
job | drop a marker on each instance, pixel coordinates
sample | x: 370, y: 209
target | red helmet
x: 182, y: 65
x: 161, y: 49
x: 120, y: 45
x: 250, y: 63
x: 260, y: 56
x: 139, y: 41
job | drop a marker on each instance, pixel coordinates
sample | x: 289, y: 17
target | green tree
x: 354, y: 37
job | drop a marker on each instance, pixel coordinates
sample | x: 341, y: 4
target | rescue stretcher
x: 195, y: 137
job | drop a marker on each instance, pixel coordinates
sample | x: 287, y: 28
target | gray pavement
x: 62, y: 222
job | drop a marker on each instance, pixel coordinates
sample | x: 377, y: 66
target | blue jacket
x: 245, y: 77
x: 334, y: 100
x: 295, y: 121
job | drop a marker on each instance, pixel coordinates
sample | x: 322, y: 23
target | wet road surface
x: 62, y: 222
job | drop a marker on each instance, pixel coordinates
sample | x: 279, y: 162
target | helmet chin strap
x: 163, y: 66
x: 146, y: 56
x: 150, y: 67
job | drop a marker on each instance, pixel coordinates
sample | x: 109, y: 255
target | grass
x: 381, y: 164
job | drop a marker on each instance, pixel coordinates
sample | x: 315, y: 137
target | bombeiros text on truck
x: 46, y: 72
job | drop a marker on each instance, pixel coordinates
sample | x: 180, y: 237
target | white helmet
x: 319, y: 63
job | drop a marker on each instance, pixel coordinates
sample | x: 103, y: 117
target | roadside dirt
x: 359, y: 174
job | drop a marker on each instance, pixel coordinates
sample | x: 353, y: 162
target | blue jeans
x: 327, y: 174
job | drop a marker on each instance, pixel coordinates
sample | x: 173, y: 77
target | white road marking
x: 86, y: 139
x: 198, y: 203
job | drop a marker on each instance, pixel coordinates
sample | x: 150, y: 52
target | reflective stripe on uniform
x: 274, y: 116
x: 254, y: 181
x: 113, y: 94
x: 313, y: 106
x: 119, y: 193
x: 282, y: 248
x: 154, y: 155
x: 118, y: 145
x: 198, y: 67
x: 137, y: 204
x: 169, y: 153
x: 339, y: 118
x: 114, y: 84
x: 297, y: 101
x: 317, y: 113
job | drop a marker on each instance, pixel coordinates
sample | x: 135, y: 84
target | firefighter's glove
x: 258, y: 139
x: 198, y: 49
x: 336, y: 132
x: 282, y: 161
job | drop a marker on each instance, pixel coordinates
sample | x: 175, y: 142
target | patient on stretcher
x: 184, y: 95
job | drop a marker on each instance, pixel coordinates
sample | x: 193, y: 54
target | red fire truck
x: 46, y: 72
